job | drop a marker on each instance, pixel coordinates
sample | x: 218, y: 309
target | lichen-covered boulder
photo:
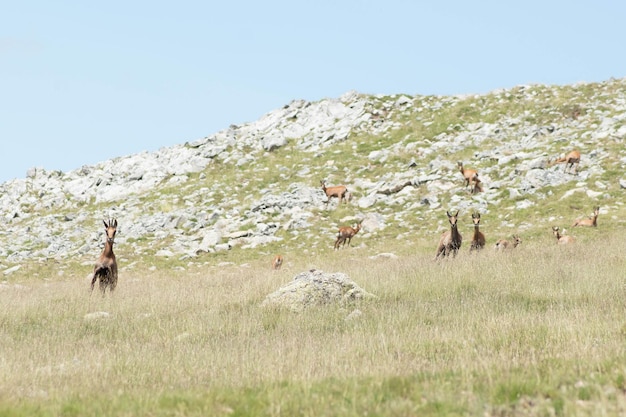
x: 316, y: 288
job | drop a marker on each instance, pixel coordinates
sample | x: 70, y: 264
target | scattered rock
x: 97, y: 315
x: 316, y: 288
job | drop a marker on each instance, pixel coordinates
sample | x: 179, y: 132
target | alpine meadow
x: 486, y: 233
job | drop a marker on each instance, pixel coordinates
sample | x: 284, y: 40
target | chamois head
x: 110, y: 229
x: 453, y: 218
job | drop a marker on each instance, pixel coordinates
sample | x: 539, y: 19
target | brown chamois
x: 469, y: 175
x: 571, y: 159
x: 560, y: 239
x: 346, y: 233
x: 451, y: 240
x: 591, y: 221
x: 339, y: 191
x: 106, y: 265
x: 478, y: 240
x: 277, y: 262
x: 504, y: 244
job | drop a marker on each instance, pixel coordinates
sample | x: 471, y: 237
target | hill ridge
x: 256, y: 185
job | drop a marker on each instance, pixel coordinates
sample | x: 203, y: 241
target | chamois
x: 346, y: 233
x: 560, y: 239
x: 503, y: 244
x: 469, y: 175
x: 478, y: 241
x: 339, y: 191
x: 591, y: 221
x: 570, y: 159
x: 277, y: 262
x: 451, y: 240
x: 106, y: 265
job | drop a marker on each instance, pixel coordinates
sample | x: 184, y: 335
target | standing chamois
x: 451, y: 240
x: 346, y: 233
x: 106, y: 266
x: 571, y: 159
x: 503, y: 244
x: 591, y: 221
x: 560, y: 239
x: 469, y: 175
x: 478, y: 241
x: 339, y: 191
x: 277, y: 262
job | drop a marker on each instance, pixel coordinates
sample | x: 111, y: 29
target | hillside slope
x: 255, y: 188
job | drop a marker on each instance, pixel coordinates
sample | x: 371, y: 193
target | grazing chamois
x: 469, y: 175
x: 106, y: 265
x: 571, y: 159
x: 339, y: 191
x: 346, y: 233
x: 504, y: 244
x: 277, y: 262
x: 451, y: 240
x: 478, y: 240
x: 591, y: 221
x: 560, y: 239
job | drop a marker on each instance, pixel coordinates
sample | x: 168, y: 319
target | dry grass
x: 530, y: 332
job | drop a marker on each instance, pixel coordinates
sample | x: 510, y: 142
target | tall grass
x: 540, y: 330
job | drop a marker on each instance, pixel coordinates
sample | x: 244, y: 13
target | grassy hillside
x: 539, y: 330
x: 536, y: 331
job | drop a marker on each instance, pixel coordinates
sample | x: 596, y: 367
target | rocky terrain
x: 258, y: 184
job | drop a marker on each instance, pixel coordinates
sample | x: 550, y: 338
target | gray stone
x: 315, y: 288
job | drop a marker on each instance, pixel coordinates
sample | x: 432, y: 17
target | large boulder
x: 316, y: 288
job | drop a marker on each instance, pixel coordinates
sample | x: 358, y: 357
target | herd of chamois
x: 105, y: 269
x: 450, y: 241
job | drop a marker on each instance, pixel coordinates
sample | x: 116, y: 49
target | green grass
x: 536, y: 331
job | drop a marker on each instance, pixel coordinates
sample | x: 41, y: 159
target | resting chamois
x: 591, y: 221
x: 451, y: 240
x: 339, y: 191
x: 106, y: 266
x: 478, y: 241
x: 560, y: 239
x: 346, y: 233
x: 571, y: 159
x: 503, y: 244
x: 469, y: 175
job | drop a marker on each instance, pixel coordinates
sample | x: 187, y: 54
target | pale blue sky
x: 82, y: 81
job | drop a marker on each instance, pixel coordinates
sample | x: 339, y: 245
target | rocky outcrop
x: 52, y: 214
x: 315, y: 288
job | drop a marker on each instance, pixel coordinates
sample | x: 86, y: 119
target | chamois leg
x: 93, y: 281
x: 113, y: 280
x: 113, y: 284
x: 103, y: 286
